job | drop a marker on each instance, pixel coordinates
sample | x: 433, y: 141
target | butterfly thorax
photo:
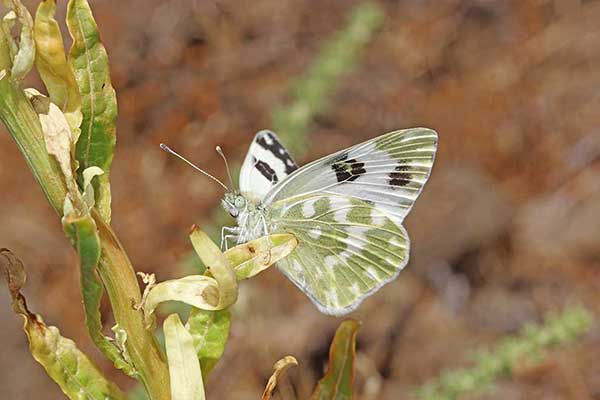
x: 250, y: 216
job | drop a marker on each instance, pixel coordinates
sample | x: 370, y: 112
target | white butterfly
x: 346, y: 210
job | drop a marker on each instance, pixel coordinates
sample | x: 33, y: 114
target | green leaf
x: 84, y: 235
x: 339, y: 378
x: 23, y: 59
x: 184, y: 367
x: 71, y: 369
x: 89, y: 61
x: 210, y: 330
x: 51, y: 63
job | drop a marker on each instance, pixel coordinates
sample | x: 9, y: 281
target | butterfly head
x: 234, y: 203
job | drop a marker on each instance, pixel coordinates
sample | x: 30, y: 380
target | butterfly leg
x: 226, y: 234
x: 266, y: 233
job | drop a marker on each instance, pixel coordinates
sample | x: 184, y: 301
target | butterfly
x: 345, y: 209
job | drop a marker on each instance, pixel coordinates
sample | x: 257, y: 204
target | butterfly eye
x: 240, y: 202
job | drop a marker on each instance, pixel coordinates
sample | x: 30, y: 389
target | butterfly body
x: 346, y: 210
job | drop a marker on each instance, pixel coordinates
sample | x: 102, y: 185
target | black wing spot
x: 265, y: 170
x: 269, y: 142
x: 399, y: 177
x: 347, y: 170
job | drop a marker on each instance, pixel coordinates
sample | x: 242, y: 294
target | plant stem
x: 114, y: 268
x: 122, y: 287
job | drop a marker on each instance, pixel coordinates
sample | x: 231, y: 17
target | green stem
x: 114, y: 268
x: 122, y: 287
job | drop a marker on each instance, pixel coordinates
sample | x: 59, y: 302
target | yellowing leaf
x: 76, y: 375
x: 8, y: 47
x: 51, y: 63
x: 278, y: 370
x: 23, y: 59
x: 196, y: 290
x: 58, y: 138
x: 89, y: 62
x: 51, y: 60
x: 257, y: 255
x: 339, y: 378
x: 218, y: 289
x: 184, y: 367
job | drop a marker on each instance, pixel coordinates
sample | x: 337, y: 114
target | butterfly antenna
x: 220, y: 151
x: 170, y: 151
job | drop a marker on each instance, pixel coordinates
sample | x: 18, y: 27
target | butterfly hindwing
x: 388, y: 171
x: 267, y: 163
x: 347, y: 249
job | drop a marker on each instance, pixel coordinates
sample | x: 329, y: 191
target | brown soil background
x: 506, y: 230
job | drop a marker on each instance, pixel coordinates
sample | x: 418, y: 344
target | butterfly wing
x: 388, y: 171
x: 346, y: 211
x: 347, y: 248
x: 266, y: 164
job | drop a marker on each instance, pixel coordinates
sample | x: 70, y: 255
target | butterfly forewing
x: 389, y: 171
x: 267, y: 163
x: 347, y: 248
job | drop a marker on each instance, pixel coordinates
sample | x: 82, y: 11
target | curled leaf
x: 71, y: 369
x: 88, y: 188
x: 14, y: 272
x: 217, y: 265
x: 23, y: 59
x: 8, y: 47
x: 89, y: 62
x: 339, y: 378
x: 51, y: 63
x: 150, y: 281
x: 218, y: 289
x: 57, y: 133
x: 210, y: 330
x: 184, y: 367
x: 257, y: 255
x: 57, y: 136
x: 196, y: 290
x: 121, y: 340
x: 84, y: 235
x: 278, y: 370
x: 51, y: 60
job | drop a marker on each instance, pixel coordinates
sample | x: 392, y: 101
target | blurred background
x: 506, y: 231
